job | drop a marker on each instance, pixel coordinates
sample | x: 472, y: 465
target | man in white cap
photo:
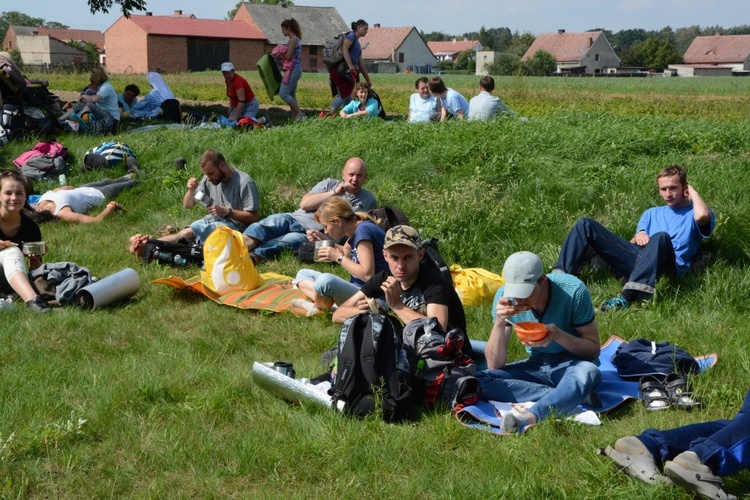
x: 411, y: 288
x: 561, y: 371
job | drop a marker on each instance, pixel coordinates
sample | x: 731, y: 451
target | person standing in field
x: 242, y: 100
x: 345, y: 74
x: 288, y: 91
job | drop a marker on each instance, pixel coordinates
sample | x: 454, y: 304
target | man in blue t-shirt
x: 562, y: 369
x: 666, y: 240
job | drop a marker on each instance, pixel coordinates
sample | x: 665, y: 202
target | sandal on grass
x: 680, y: 394
x: 655, y: 395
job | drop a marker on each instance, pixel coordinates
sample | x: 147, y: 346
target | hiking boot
x: 133, y: 166
x: 38, y: 304
x: 686, y: 470
x: 615, y: 304
x: 632, y: 456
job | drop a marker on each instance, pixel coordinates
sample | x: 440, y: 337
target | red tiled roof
x: 720, y: 49
x: 209, y: 28
x: 88, y: 36
x: 382, y: 42
x: 565, y: 47
x: 451, y: 46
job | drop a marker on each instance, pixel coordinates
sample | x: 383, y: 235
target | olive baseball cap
x: 402, y: 235
x: 521, y: 271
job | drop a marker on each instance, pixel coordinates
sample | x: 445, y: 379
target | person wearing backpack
x: 562, y: 369
x: 365, y: 105
x: 361, y: 256
x: 411, y: 288
x: 345, y: 74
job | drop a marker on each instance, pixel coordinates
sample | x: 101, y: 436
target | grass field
x: 153, y: 398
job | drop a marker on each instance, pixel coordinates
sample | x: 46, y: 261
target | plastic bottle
x: 162, y: 256
x: 179, y: 260
x: 63, y: 180
x: 6, y: 304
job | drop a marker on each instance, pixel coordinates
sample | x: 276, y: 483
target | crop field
x: 153, y: 397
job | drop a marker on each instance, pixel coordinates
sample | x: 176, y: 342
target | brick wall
x: 167, y: 54
x: 126, y: 46
x: 244, y: 54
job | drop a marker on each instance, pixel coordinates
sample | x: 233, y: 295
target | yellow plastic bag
x: 229, y: 267
x: 475, y: 286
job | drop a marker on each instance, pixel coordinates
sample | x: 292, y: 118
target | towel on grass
x: 613, y: 391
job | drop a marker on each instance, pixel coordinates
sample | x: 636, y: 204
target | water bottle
x: 179, y: 260
x: 163, y: 256
x: 6, y: 304
x: 63, y: 180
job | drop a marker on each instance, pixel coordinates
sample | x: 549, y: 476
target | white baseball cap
x: 227, y: 66
x: 521, y: 271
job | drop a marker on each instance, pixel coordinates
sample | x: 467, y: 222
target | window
x: 400, y: 57
x: 313, y: 63
x: 313, y: 50
x: 596, y: 57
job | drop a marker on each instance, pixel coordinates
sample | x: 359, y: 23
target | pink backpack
x: 50, y: 149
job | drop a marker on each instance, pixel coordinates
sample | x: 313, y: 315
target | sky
x: 453, y: 17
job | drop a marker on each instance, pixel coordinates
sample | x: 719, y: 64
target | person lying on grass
x: 666, y: 240
x: 562, y: 369
x: 361, y: 256
x: 695, y: 457
x: 71, y: 204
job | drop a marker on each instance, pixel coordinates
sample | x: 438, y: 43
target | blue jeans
x: 328, y: 285
x: 276, y: 233
x: 722, y: 445
x: 288, y: 91
x: 640, y: 265
x: 558, y: 383
x: 205, y: 226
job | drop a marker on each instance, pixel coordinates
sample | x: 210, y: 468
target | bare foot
x: 137, y: 243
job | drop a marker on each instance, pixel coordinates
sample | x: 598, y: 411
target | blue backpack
x: 116, y: 153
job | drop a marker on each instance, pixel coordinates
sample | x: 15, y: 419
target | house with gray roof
x: 317, y: 24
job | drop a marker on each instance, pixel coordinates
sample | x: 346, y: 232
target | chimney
x: 376, y: 25
x: 718, y: 33
x: 454, y: 40
x: 149, y: 13
x: 591, y: 41
x: 560, y: 32
x: 177, y: 12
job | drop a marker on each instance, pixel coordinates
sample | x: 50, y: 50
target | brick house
x: 400, y: 48
x: 589, y: 52
x: 172, y: 44
x: 450, y: 50
x: 43, y: 46
x: 719, y: 55
x: 317, y: 24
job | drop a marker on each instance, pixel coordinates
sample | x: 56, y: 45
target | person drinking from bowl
x: 562, y: 370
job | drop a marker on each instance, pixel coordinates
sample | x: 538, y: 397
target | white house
x: 588, y: 51
x: 403, y: 47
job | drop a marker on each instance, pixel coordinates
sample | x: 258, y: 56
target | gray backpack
x: 441, y: 371
x: 333, y: 50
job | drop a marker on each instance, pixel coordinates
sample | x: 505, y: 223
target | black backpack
x: 372, y: 365
x: 433, y: 258
x: 177, y: 254
x: 441, y: 371
x: 388, y: 217
x: 381, y: 109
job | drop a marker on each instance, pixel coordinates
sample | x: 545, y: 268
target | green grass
x: 154, y: 398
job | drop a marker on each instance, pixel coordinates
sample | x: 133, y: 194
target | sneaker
x: 133, y: 166
x: 632, y: 456
x: 267, y: 121
x: 323, y: 114
x: 614, y: 304
x: 686, y: 470
x: 512, y: 423
x: 300, y: 117
x: 38, y: 304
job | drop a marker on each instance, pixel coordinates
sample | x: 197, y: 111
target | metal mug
x: 319, y: 244
x: 203, y: 198
x: 285, y: 368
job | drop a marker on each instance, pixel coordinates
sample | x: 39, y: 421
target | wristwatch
x: 341, y: 258
x: 229, y: 213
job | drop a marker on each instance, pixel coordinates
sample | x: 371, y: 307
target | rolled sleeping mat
x: 115, y: 287
x: 296, y: 391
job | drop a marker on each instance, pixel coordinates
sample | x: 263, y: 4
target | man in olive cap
x: 412, y: 289
x: 561, y: 371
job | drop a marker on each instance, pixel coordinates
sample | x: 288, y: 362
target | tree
x: 521, y: 43
x: 283, y: 3
x: 657, y: 54
x: 542, y: 63
x: 92, y: 53
x: 126, y: 6
x: 505, y: 65
x: 435, y: 36
x: 15, y: 18
x: 463, y: 59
